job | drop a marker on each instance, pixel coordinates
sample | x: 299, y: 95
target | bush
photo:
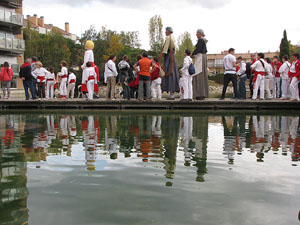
x: 218, y: 78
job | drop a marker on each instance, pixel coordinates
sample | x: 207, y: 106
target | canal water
x: 149, y: 168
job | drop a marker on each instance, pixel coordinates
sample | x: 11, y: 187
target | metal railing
x: 12, y: 44
x: 11, y: 17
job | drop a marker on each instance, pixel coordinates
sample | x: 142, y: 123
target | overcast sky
x: 255, y: 25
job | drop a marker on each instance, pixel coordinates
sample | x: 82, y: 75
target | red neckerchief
x: 25, y: 65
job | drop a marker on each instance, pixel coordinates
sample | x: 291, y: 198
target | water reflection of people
x: 110, y: 136
x: 144, y: 149
x: 200, y: 130
x: 230, y: 138
x: 170, y: 132
x: 186, y: 134
x: 89, y: 142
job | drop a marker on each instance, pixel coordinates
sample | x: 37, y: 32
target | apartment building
x: 38, y: 24
x: 12, y: 45
x: 215, y: 61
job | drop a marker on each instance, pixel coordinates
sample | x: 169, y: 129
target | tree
x: 155, y: 34
x: 284, y: 46
x: 184, y: 42
x: 115, y: 46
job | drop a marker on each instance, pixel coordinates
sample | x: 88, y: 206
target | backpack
x: 192, y: 70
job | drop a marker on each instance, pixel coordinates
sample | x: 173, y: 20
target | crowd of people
x: 284, y: 77
x: 144, y: 80
x: 150, y: 76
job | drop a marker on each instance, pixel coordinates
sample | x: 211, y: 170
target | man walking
x: 230, y: 73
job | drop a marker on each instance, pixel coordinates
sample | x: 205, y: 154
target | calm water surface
x: 139, y: 169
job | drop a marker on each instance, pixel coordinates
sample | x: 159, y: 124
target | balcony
x: 11, y: 45
x: 11, y: 19
x: 11, y: 3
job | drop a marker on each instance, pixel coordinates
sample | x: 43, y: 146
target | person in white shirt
x: 63, y: 74
x: 110, y: 75
x: 284, y: 75
x: 40, y: 75
x: 90, y: 79
x: 50, y: 83
x: 230, y: 73
x: 187, y: 79
x: 71, y: 83
x: 241, y: 73
x: 269, y: 77
x: 260, y: 71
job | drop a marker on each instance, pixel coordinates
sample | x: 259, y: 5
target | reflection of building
x: 38, y: 24
x: 215, y: 61
x: 13, y: 169
x: 12, y: 45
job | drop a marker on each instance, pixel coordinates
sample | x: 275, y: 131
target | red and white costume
x: 89, y: 57
x: 294, y: 75
x: 71, y: 85
x: 50, y: 81
x: 89, y: 80
x: 260, y: 72
x: 63, y: 74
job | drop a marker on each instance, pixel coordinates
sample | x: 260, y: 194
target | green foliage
x: 155, y: 34
x: 51, y: 48
x: 218, y: 78
x: 184, y: 42
x: 284, y: 46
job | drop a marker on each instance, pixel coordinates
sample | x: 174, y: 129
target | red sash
x: 91, y: 78
x: 41, y: 78
x: 260, y: 73
x: 64, y: 76
x: 50, y: 80
x: 73, y: 81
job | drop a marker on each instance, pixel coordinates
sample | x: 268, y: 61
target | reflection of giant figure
x: 170, y: 129
x: 200, y: 130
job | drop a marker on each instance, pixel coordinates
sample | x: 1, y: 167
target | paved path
x: 102, y: 104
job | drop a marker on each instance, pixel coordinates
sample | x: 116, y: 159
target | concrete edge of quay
x: 208, y: 104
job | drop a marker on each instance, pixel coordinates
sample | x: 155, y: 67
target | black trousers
x: 41, y: 90
x: 251, y: 85
x: 227, y: 79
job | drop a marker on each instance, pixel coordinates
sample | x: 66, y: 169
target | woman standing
x: 170, y: 83
x: 6, y: 76
x: 200, y: 80
x: 40, y: 74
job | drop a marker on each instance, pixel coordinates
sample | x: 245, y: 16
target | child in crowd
x: 156, y: 82
x: 71, y: 83
x: 40, y: 74
x: 269, y: 77
x: 50, y: 82
x: 90, y: 79
x: 186, y: 80
x: 63, y: 74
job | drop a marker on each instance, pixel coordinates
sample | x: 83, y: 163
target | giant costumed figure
x: 89, y: 57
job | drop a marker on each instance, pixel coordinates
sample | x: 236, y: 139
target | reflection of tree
x: 13, y: 190
x: 170, y: 133
x: 200, y: 128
